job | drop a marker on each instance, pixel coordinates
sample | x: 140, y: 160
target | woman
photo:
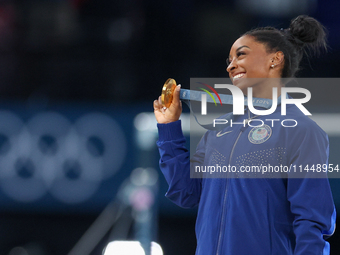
x: 255, y: 215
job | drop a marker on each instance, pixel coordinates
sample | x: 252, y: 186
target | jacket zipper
x: 232, y: 150
x: 225, y: 197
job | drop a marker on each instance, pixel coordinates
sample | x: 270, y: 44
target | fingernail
x: 178, y: 88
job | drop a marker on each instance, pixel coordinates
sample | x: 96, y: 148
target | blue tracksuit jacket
x: 258, y: 216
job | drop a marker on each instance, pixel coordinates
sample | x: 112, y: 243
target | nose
x: 231, y: 66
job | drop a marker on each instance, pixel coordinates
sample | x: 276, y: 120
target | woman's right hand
x: 166, y: 115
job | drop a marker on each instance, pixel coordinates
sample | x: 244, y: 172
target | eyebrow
x: 243, y: 46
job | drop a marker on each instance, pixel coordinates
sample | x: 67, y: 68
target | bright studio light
x: 130, y: 248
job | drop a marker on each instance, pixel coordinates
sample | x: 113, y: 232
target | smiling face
x: 250, y: 59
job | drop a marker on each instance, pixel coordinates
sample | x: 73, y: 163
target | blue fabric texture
x: 244, y: 214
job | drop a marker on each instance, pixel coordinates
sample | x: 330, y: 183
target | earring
x: 272, y: 66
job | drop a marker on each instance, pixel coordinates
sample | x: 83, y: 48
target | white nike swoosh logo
x: 219, y: 134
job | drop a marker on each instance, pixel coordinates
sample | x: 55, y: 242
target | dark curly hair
x: 304, y: 35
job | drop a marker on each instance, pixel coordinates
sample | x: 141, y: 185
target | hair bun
x: 307, y: 31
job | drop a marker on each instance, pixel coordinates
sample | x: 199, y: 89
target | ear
x: 277, y: 58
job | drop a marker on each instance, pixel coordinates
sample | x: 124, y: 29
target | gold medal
x: 167, y: 92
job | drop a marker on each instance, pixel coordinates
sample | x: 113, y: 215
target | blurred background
x: 77, y: 83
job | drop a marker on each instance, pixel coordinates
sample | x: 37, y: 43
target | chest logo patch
x: 260, y: 134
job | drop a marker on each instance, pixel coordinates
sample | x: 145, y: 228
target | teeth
x: 238, y: 76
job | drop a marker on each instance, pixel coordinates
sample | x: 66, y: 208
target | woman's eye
x: 240, y: 53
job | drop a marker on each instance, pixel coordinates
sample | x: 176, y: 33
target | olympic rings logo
x: 49, y: 154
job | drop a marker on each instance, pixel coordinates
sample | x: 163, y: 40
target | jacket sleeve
x: 175, y: 166
x: 310, y: 197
